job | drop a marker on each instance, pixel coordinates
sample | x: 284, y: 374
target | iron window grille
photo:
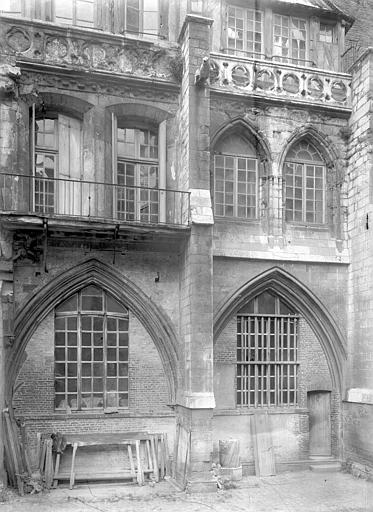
x: 267, y: 353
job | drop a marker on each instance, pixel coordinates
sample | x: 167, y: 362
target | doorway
x: 319, y: 423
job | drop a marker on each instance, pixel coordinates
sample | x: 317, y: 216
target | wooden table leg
x: 72, y: 474
x: 56, y: 470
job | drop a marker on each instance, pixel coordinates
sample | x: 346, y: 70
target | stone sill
x: 268, y: 410
x: 91, y: 415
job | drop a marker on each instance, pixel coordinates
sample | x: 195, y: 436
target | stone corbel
x: 9, y: 76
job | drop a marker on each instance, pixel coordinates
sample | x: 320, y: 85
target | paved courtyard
x: 288, y: 492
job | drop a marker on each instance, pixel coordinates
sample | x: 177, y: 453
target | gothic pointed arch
x: 302, y: 299
x: 93, y: 271
x: 319, y: 140
x: 241, y: 126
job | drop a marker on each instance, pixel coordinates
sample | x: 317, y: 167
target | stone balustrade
x: 281, y: 81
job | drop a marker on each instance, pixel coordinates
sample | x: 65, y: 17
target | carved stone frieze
x: 33, y: 83
x: 60, y: 46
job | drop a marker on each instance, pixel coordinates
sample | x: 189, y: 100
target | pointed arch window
x: 305, y: 176
x: 91, y: 352
x: 267, y: 353
x: 236, y: 178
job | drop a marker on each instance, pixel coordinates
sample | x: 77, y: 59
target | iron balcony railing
x: 80, y: 199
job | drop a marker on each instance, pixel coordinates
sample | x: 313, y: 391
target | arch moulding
x: 153, y: 318
x: 305, y: 302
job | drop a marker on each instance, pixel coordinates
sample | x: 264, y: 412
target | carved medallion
x: 315, y: 87
x: 290, y: 83
x: 339, y: 91
x: 265, y: 79
x: 56, y: 48
x: 18, y: 40
x: 240, y: 76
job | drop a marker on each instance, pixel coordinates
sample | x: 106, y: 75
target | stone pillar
x: 9, y: 121
x: 358, y: 407
x: 195, y: 401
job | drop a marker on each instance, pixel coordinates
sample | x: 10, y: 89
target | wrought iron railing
x: 89, y: 200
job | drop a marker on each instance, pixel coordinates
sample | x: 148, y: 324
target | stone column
x: 195, y: 401
x: 9, y: 116
x: 358, y: 406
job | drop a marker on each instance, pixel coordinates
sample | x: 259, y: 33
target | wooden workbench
x: 147, y: 455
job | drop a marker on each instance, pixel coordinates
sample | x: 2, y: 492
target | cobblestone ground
x: 288, y: 492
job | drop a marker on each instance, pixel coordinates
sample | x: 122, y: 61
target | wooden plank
x: 38, y: 448
x: 263, y: 447
x: 72, y: 472
x: 167, y: 455
x: 42, y: 455
x: 149, y: 455
x: 13, y: 453
x: 140, y: 474
x: 176, y: 448
x: 48, y: 475
x: 160, y: 455
x: 56, y: 470
x: 130, y: 457
x: 155, y: 461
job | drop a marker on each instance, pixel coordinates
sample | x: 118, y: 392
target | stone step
x: 330, y: 467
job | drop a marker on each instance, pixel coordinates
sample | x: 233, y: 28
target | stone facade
x: 186, y: 273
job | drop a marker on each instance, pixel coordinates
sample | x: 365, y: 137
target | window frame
x: 78, y: 314
x: 235, y: 192
x: 141, y: 18
x: 245, y: 51
x: 74, y: 22
x: 289, y: 59
x: 305, y: 165
x: 268, y: 396
x: 67, y: 186
x: 160, y: 163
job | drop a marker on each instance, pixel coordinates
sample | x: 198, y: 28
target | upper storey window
x: 244, y: 31
x: 305, y: 184
x: 326, y: 33
x: 236, y: 178
x: 119, y: 16
x: 75, y: 12
x: 137, y: 195
x: 57, y: 165
x: 13, y: 7
x: 142, y: 16
x: 289, y: 39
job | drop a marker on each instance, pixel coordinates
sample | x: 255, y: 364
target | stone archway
x: 305, y: 302
x: 93, y: 271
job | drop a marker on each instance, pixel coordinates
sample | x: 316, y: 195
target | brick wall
x: 149, y: 393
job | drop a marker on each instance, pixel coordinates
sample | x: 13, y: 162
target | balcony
x: 93, y: 209
x: 280, y: 82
